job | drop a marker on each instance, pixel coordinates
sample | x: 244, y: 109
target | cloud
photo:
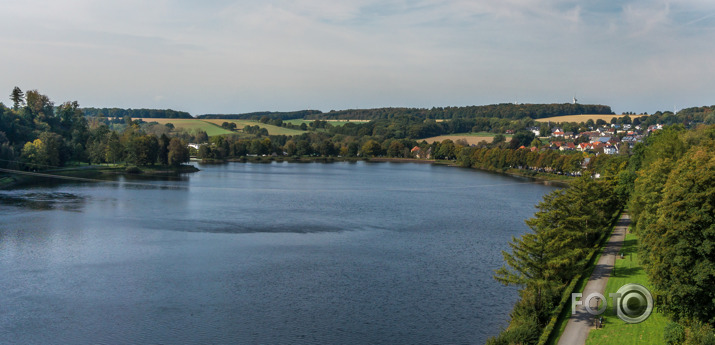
x: 642, y: 19
x: 228, y: 56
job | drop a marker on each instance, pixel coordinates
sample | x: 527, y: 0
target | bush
x: 700, y: 334
x: 133, y: 170
x: 674, y: 334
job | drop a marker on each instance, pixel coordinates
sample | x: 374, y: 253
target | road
x: 582, y: 322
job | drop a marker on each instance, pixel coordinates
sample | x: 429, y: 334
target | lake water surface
x: 341, y: 253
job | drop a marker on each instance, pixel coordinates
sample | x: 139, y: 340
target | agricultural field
x: 212, y: 127
x: 583, y: 118
x: 471, y: 138
x: 272, y: 130
x: 192, y: 124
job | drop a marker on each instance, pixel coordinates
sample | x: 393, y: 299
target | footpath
x: 582, y: 322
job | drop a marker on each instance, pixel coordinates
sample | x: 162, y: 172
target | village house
x: 610, y: 150
x: 567, y: 147
x: 419, y: 153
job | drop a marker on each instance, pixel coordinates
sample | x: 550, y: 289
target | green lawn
x: 616, y: 331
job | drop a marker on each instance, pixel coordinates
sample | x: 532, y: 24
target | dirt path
x: 581, y: 322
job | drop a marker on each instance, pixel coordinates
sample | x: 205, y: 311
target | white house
x: 610, y: 150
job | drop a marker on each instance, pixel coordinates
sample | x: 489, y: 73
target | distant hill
x: 257, y: 115
x: 134, y: 113
x: 504, y: 110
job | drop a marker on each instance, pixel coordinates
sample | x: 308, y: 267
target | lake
x: 280, y: 253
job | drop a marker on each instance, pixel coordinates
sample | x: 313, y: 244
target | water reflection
x: 43, y: 200
x: 344, y: 253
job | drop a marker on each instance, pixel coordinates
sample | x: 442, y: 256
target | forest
x: 141, y: 113
x: 668, y: 186
x: 504, y: 111
x: 36, y: 135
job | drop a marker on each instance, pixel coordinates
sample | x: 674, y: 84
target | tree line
x: 141, y: 113
x: 503, y: 110
x: 568, y: 224
x: 37, y: 135
x: 668, y: 184
x: 290, y: 115
x: 673, y: 212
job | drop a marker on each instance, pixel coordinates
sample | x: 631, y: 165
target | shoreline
x: 12, y: 178
x: 91, y: 173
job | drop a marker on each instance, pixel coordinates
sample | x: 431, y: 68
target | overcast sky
x: 279, y: 55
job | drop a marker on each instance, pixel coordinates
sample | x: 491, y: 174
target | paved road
x: 581, y: 322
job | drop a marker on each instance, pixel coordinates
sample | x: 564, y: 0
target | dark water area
x: 281, y: 253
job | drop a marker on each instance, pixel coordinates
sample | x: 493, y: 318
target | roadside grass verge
x: 615, y: 330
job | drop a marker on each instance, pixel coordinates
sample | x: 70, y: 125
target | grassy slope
x: 213, y: 126
x: 616, y: 331
x: 272, y: 130
x: 191, y: 124
x: 471, y: 138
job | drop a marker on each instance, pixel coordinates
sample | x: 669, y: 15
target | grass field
x: 191, y: 124
x: 615, y: 330
x: 582, y: 118
x: 213, y: 126
x: 272, y: 130
x: 471, y: 138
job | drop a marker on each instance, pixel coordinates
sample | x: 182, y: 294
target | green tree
x: 178, y: 152
x: 681, y: 240
x: 371, y: 148
x: 33, y: 153
x: 17, y: 97
x: 446, y: 150
x: 40, y: 105
x: 114, y: 149
x: 96, y: 150
x: 290, y: 148
x: 163, y: 155
x: 55, y: 149
x: 395, y: 149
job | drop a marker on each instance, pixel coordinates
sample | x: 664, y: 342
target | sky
x: 225, y: 56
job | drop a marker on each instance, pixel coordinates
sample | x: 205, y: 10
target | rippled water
x: 342, y: 253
